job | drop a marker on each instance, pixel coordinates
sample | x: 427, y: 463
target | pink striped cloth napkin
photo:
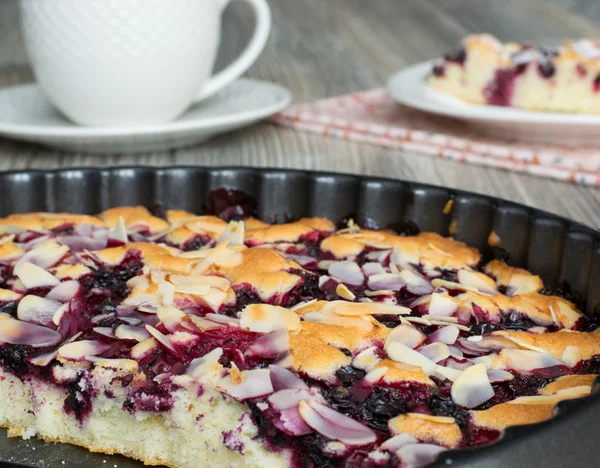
x: 374, y: 117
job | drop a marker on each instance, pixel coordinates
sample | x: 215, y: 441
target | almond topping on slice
x: 119, y: 232
x: 78, y: 350
x: 235, y: 375
x: 407, y: 335
x: 472, y: 387
x: 343, y: 291
x: 234, y: 233
x: 23, y: 333
x: 479, y: 281
x: 129, y: 332
x: 37, y: 309
x: 33, y: 276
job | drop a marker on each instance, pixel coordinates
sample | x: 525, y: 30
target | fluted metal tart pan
x: 553, y: 247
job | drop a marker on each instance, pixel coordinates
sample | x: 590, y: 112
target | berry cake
x: 221, y: 340
x: 548, y: 79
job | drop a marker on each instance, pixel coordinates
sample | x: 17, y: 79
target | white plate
x: 25, y: 114
x: 409, y: 87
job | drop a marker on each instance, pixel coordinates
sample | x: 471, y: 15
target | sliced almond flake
x: 192, y: 289
x: 87, y: 262
x: 223, y: 319
x: 140, y: 282
x: 11, y: 229
x: 381, y: 292
x: 213, y: 255
x: 7, y: 239
x: 214, y: 299
x: 567, y: 312
x: 196, y: 254
x: 553, y: 314
x: 234, y: 233
x: 520, y: 343
x: 168, y: 293
x: 472, y: 387
x: 33, y: 276
x: 394, y: 268
x: 130, y: 332
x: 367, y: 300
x: 105, y: 331
x: 162, y: 339
x: 527, y: 360
x: 255, y: 383
x: 440, y: 283
x: 325, y: 264
x: 420, y: 320
x: 58, y: 314
x: 366, y: 359
x: 571, y: 356
x: 479, y: 281
x: 37, y: 309
x: 141, y: 299
x: 43, y: 359
x: 78, y: 350
x: 343, y: 291
x: 448, y: 373
x: 433, y: 247
x: 441, y: 318
x: 173, y: 227
x: 408, y: 335
x: 213, y: 281
x: 375, y: 375
x: 204, y: 324
x: 421, y: 301
x: 148, y: 309
x: 143, y: 349
x: 158, y: 276
x: 119, y: 232
x: 301, y: 305
x: 435, y: 352
x: 441, y: 322
x: 43, y: 255
x: 374, y: 245
x: 206, y: 365
x: 334, y: 425
x: 401, y: 353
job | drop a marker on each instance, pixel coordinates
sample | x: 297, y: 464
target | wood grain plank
x: 320, y: 49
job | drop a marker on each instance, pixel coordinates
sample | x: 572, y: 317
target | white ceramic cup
x: 131, y: 62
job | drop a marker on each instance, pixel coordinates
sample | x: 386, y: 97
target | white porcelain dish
x: 409, y: 87
x: 25, y: 114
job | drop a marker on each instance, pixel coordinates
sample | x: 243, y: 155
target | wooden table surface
x: 324, y: 48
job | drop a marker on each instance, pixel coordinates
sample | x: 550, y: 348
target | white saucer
x: 410, y: 88
x: 26, y: 115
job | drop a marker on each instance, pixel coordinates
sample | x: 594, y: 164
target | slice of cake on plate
x: 546, y: 79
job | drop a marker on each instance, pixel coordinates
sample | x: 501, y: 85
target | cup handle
x: 262, y: 15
